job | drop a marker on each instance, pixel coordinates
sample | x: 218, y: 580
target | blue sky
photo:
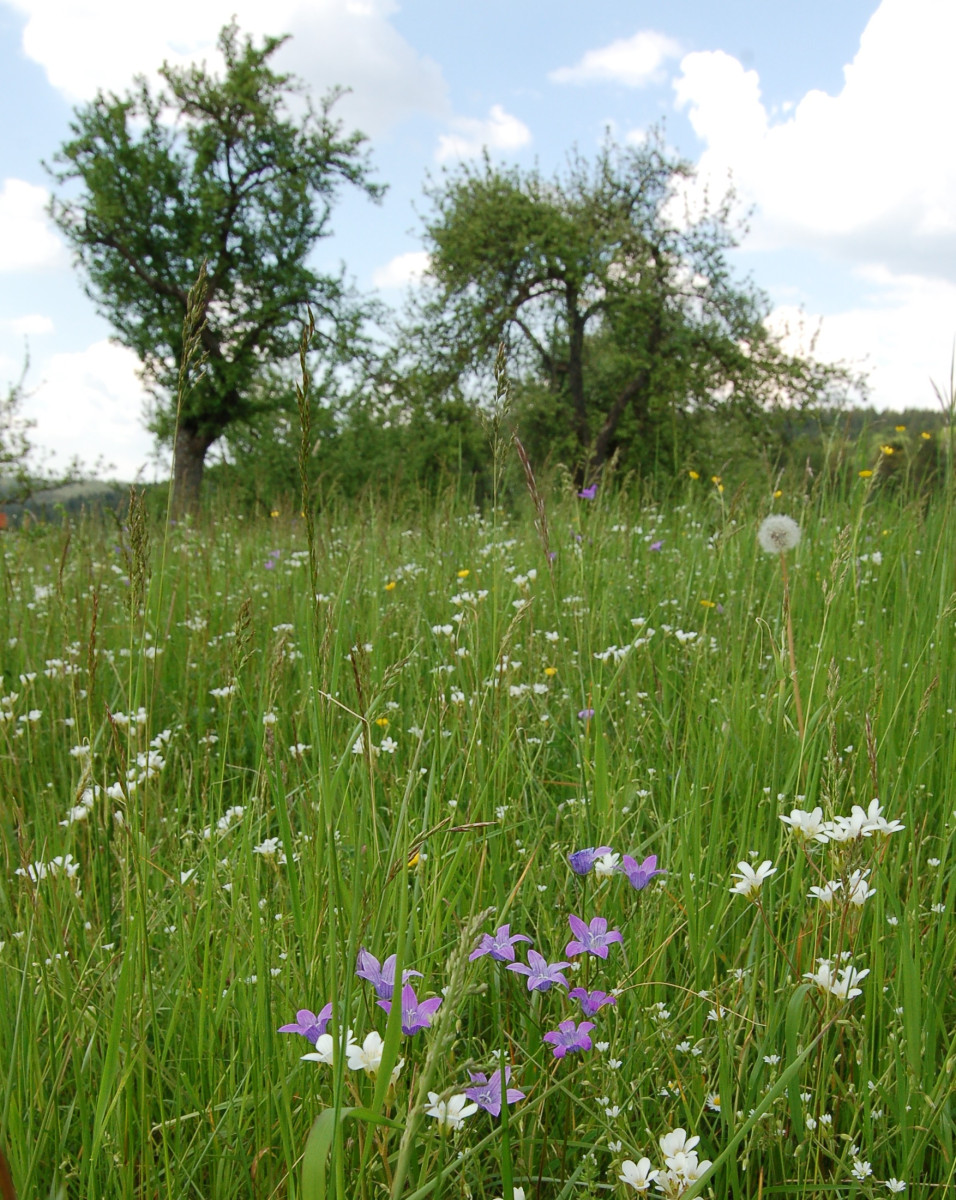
x: 832, y: 119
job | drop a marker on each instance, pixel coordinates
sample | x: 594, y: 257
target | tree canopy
x: 240, y: 173
x: 616, y: 302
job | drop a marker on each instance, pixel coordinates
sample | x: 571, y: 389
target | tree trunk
x: 189, y: 458
x: 602, y: 443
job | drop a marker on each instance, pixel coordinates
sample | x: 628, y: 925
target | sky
x: 832, y: 119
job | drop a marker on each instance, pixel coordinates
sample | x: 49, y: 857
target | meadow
x: 245, y: 761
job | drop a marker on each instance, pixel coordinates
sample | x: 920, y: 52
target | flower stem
x: 793, y: 658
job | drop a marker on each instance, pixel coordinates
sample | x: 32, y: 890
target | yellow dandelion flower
x: 865, y: 474
x: 550, y: 671
x: 777, y: 494
x: 708, y: 604
x: 900, y: 428
x: 391, y: 586
x: 693, y: 474
x: 925, y: 436
x: 464, y: 573
x: 715, y: 479
x: 887, y: 450
x: 720, y: 487
x: 274, y: 513
x: 413, y: 861
x: 382, y: 722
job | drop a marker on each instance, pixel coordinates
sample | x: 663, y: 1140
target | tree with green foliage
x: 15, y: 447
x: 616, y: 303
x: 240, y: 173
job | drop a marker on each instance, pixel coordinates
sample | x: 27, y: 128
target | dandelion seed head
x: 778, y: 533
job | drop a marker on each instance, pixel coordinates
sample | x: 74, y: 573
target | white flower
x: 368, y: 1056
x: 606, y: 865
x: 857, y: 888
x: 861, y: 1169
x: 637, y: 1175
x: 895, y: 1185
x: 518, y: 1194
x: 324, y: 1051
x: 842, y: 985
x: 808, y: 826
x: 268, y: 849
x: 778, y: 533
x: 749, y: 881
x: 451, y: 1112
x: 677, y: 1142
x: 826, y: 894
x: 388, y: 745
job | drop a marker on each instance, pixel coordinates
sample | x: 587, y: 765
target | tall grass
x: 466, y: 711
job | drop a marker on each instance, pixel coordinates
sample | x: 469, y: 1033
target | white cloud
x: 90, y: 404
x: 635, y: 61
x: 101, y: 44
x: 402, y: 270
x: 499, y: 131
x: 902, y: 335
x: 27, y: 238
x: 31, y: 325
x: 864, y: 174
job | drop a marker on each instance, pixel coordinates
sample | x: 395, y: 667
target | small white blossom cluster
x: 42, y: 870
x: 841, y: 983
x: 83, y: 807
x: 366, y: 1057
x: 229, y: 819
x: 681, y: 1167
x: 812, y: 827
x: 126, y: 719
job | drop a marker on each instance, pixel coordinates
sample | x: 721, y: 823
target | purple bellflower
x: 655, y: 545
x: 416, y: 1014
x: 541, y: 974
x: 585, y: 714
x: 308, y: 1024
x: 500, y: 945
x: 487, y: 1091
x: 582, y: 861
x: 380, y: 976
x: 591, y: 1002
x: 640, y: 874
x: 569, y: 1037
x: 588, y: 493
x: 593, y: 938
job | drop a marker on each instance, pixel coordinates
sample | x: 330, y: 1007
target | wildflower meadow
x: 597, y: 847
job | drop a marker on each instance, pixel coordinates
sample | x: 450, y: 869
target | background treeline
x: 424, y: 451
x: 609, y: 291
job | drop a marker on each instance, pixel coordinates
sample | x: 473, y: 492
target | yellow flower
x: 887, y: 449
x: 274, y: 513
x: 865, y: 474
x: 715, y: 479
x: 693, y: 474
x: 720, y: 487
x: 708, y: 604
x: 925, y: 436
x: 391, y: 586
x: 413, y: 861
x: 464, y: 573
x: 900, y: 428
x: 549, y: 671
x: 777, y: 494
x: 382, y: 722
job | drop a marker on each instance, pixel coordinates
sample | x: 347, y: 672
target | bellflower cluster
x: 604, y: 861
